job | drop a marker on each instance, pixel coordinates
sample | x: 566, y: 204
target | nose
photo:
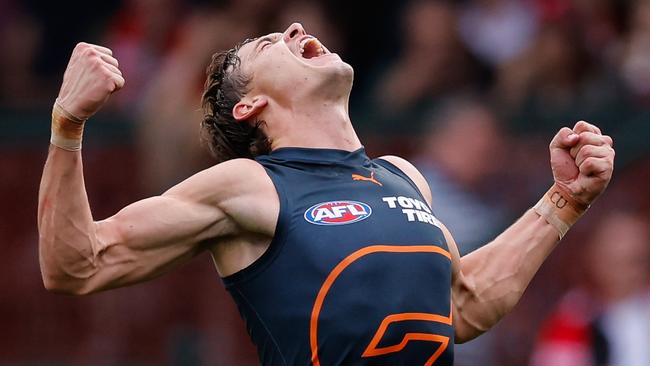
x: 294, y: 31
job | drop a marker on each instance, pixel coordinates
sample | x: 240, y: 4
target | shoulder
x: 240, y: 188
x: 226, y: 180
x: 412, y: 172
x: 240, y: 170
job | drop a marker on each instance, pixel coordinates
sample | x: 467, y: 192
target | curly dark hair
x: 225, y: 85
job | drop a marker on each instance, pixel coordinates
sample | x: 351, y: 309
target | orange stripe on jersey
x: 372, y: 349
x: 336, y: 272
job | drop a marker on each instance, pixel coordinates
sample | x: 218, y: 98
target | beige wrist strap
x: 559, y: 209
x: 67, y: 129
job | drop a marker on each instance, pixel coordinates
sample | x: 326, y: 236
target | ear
x: 246, y: 108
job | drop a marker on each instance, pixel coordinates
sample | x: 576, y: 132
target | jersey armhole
x: 276, y: 245
x: 395, y: 170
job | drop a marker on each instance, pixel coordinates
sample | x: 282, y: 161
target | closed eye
x: 264, y: 42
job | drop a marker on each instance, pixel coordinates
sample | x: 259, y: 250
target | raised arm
x: 79, y: 255
x: 493, y: 278
x: 489, y: 282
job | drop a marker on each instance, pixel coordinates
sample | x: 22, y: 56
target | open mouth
x: 311, y: 47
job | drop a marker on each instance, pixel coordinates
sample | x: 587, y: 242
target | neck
x: 320, y: 124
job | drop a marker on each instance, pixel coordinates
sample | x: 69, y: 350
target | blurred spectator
x: 606, y: 319
x: 600, y: 21
x: 636, y: 58
x: 546, y: 63
x: 551, y: 71
x: 140, y: 35
x: 562, y: 75
x: 497, y: 30
x: 168, y: 132
x: 20, y: 37
x: 554, y: 82
x: 432, y: 62
x: 460, y: 157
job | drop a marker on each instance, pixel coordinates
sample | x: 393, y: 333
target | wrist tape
x: 559, y: 209
x: 67, y: 129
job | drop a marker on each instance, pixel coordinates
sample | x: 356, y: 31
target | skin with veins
x: 304, y: 102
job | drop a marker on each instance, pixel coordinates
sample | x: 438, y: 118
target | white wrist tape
x: 67, y: 129
x: 559, y: 209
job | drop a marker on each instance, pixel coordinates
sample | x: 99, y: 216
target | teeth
x: 304, y: 42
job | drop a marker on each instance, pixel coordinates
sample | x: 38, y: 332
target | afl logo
x: 337, y: 213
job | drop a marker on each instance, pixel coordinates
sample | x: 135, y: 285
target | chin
x: 338, y: 69
x: 344, y: 71
x: 337, y: 79
x: 347, y: 69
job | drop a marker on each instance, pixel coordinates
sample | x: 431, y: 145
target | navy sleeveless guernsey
x: 358, y: 272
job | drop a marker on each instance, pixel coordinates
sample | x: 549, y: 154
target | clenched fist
x: 91, y: 77
x: 582, y: 160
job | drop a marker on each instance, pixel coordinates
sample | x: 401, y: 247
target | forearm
x: 77, y: 254
x: 496, y: 275
x: 490, y: 281
x: 67, y: 242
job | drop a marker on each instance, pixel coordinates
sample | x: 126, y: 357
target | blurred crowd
x: 471, y: 91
